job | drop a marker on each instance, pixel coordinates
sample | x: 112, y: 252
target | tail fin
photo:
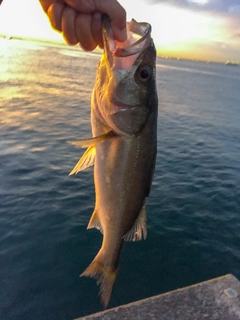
x: 105, y: 277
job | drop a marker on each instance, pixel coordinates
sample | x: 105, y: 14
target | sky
x: 192, y: 29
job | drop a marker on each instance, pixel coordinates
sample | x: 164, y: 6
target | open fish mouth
x: 138, y: 39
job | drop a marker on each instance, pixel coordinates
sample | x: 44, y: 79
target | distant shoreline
x: 42, y: 41
x: 48, y: 43
x: 62, y: 44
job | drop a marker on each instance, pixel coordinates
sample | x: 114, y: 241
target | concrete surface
x: 216, y: 299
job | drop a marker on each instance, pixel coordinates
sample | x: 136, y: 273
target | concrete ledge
x: 216, y: 299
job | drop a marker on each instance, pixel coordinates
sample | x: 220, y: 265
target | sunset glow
x: 27, y: 20
x: 198, y: 35
x: 177, y: 31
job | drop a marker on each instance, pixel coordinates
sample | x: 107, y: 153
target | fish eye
x: 144, y: 73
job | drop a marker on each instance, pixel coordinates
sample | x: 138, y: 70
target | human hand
x: 80, y: 20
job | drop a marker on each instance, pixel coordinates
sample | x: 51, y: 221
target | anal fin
x: 94, y: 222
x: 139, y: 229
x: 87, y: 160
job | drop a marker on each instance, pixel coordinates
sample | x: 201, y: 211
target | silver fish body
x: 123, y: 148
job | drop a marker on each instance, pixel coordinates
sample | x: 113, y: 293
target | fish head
x: 126, y: 79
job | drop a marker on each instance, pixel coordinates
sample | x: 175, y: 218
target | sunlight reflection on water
x: 193, y: 209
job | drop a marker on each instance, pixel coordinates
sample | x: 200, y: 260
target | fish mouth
x: 138, y: 38
x: 118, y: 107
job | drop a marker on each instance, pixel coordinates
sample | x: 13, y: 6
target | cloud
x: 234, y: 9
x: 206, y: 5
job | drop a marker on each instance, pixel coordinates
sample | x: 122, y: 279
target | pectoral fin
x: 139, y: 229
x: 84, y: 143
x: 87, y: 160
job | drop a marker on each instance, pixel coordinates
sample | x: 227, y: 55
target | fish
x: 123, y: 146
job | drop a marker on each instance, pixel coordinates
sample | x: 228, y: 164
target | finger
x: 85, y: 6
x: 117, y: 15
x: 46, y: 3
x: 68, y: 25
x: 54, y: 13
x: 112, y: 8
x: 83, y: 31
x: 96, y: 28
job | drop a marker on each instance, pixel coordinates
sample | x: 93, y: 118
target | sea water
x: 193, y: 209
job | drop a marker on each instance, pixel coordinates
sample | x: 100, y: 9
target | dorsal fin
x: 87, y: 160
x: 94, y: 222
x: 139, y: 229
